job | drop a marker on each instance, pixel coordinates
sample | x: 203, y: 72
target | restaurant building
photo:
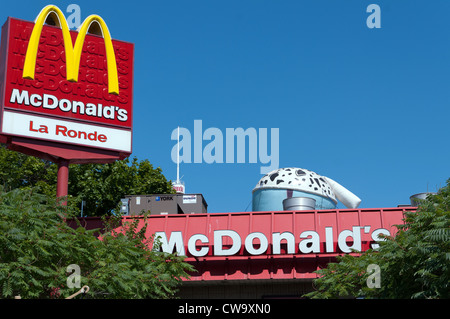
x: 273, y: 251
x: 267, y: 254
x: 270, y: 254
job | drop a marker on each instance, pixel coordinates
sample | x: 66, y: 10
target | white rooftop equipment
x: 291, y: 182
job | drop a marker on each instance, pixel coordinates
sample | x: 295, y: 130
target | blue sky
x: 369, y: 108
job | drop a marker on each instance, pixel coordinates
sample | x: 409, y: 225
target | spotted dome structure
x: 283, y: 183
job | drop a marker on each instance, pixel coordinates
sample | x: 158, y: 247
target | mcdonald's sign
x: 66, y: 87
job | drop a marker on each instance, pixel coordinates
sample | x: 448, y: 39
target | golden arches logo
x: 73, y: 53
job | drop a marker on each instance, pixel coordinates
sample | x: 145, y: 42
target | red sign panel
x: 52, y: 108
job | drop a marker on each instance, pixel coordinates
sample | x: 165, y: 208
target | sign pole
x: 62, y: 186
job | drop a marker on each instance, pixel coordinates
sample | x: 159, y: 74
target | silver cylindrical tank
x: 416, y: 198
x: 299, y: 203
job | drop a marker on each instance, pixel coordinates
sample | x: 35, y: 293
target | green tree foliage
x: 101, y: 186
x: 413, y: 264
x: 36, y: 246
x: 18, y: 170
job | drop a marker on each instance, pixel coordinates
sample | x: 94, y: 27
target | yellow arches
x: 73, y: 53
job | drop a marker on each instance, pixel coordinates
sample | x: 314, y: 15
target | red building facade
x: 266, y: 254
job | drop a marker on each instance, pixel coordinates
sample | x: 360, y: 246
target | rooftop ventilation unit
x: 282, y: 183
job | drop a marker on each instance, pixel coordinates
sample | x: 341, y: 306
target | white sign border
x: 19, y: 124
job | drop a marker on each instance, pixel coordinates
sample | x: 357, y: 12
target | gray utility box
x: 162, y: 204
